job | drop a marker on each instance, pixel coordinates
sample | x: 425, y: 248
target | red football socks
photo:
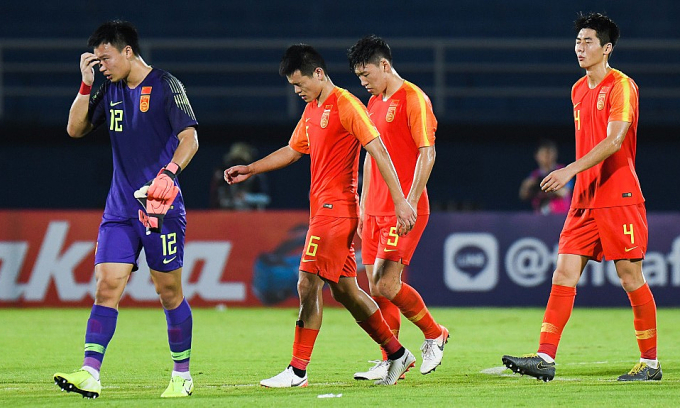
x: 377, y: 328
x: 644, y: 312
x: 392, y: 317
x: 410, y: 303
x: 302, y: 347
x: 557, y: 313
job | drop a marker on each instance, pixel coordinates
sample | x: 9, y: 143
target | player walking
x: 332, y: 129
x: 403, y: 115
x: 152, y: 127
x: 607, y: 215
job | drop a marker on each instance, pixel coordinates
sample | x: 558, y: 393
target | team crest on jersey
x: 326, y: 115
x: 391, y: 111
x: 600, y: 100
x: 145, y: 98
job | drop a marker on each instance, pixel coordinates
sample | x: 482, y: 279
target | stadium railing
x: 468, y: 79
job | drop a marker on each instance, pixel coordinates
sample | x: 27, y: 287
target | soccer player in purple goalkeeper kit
x: 153, y: 137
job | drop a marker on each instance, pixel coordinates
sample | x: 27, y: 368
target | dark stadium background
x: 485, y: 140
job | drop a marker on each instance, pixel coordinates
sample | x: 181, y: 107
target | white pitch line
x: 258, y: 385
x: 494, y: 370
x: 115, y: 387
x: 499, y: 371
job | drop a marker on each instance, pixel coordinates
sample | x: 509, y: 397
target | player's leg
x: 367, y: 314
x: 369, y: 246
x: 307, y: 328
x: 389, y: 310
x: 115, y: 257
x: 392, y: 317
x: 319, y: 248
x: 560, y: 305
x: 179, y: 321
x: 336, y: 264
x: 579, y: 242
x: 394, y: 253
x: 111, y: 279
x: 165, y: 257
x: 412, y: 306
x: 644, y: 312
x: 624, y: 239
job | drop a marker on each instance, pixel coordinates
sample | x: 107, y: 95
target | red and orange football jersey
x: 406, y: 123
x: 613, y: 182
x: 332, y: 134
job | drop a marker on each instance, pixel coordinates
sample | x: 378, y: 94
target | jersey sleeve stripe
x: 361, y: 111
x: 180, y: 96
x: 422, y: 105
x: 625, y: 84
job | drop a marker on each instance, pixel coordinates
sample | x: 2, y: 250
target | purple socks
x: 100, y: 328
x: 179, y: 335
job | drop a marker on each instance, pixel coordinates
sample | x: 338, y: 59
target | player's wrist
x: 172, y: 169
x: 85, y: 89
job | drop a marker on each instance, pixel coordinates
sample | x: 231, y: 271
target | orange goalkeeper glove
x: 155, y: 212
x: 163, y: 187
x: 153, y: 223
x: 157, y: 206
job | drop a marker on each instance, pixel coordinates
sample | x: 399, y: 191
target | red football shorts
x: 614, y: 232
x: 328, y: 250
x: 379, y: 239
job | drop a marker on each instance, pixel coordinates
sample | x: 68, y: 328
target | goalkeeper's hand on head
x: 163, y: 187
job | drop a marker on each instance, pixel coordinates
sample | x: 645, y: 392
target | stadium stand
x: 498, y: 73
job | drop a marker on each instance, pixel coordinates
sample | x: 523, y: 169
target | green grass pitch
x: 234, y: 349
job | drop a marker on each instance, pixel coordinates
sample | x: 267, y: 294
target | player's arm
x: 423, y: 125
x: 78, y: 122
x: 422, y: 173
x: 281, y: 158
x: 365, y: 185
x: 163, y: 186
x: 406, y: 214
x: 616, y: 134
x: 187, y: 147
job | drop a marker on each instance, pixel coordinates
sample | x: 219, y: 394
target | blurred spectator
x: 546, y: 203
x: 251, y: 194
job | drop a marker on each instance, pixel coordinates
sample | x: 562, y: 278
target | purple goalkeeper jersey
x: 143, y: 125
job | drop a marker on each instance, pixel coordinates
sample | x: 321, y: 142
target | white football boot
x: 285, y: 379
x: 377, y: 372
x: 433, y: 352
x: 397, y: 368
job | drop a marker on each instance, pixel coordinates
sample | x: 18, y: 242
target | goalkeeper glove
x: 156, y: 208
x: 163, y: 187
x: 152, y: 223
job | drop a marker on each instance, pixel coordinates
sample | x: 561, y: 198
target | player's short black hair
x: 117, y: 33
x: 606, y: 29
x: 301, y: 57
x: 369, y: 50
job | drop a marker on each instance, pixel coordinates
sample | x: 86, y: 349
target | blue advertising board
x: 507, y: 259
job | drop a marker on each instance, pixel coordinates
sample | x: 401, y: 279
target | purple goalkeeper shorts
x: 120, y: 240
